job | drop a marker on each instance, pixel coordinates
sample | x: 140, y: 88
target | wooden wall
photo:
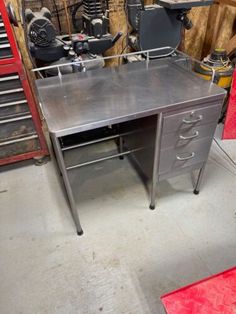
x: 195, y: 38
x: 213, y: 27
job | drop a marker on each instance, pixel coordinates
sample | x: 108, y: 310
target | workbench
x: 158, y: 112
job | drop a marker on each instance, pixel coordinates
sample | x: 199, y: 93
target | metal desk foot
x: 156, y: 162
x: 199, y: 180
x: 42, y: 160
x: 62, y: 167
x: 153, y: 193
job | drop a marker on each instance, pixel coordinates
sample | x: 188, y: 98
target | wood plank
x: 225, y: 31
x: 210, y: 29
x: 228, y: 2
x: 194, y: 38
x: 217, y: 21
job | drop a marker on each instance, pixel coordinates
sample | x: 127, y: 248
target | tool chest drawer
x: 5, y: 51
x: 16, y: 127
x: 21, y: 135
x: 190, y: 118
x: 5, y: 48
x: 183, y: 137
x: 19, y: 146
x: 172, y: 159
x: 15, y: 108
x: 9, y: 84
x: 12, y: 97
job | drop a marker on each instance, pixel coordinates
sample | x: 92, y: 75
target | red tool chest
x: 230, y: 122
x: 21, y: 135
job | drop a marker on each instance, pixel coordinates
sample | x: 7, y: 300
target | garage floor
x: 129, y: 256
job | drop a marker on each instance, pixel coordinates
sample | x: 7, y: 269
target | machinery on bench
x: 153, y: 26
x: 159, y: 25
x: 92, y: 41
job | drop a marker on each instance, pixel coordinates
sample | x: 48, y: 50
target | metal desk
x: 146, y: 104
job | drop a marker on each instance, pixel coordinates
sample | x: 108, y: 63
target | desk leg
x: 156, y: 162
x: 61, y: 163
x: 199, y: 180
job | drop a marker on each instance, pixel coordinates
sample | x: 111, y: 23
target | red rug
x: 213, y: 295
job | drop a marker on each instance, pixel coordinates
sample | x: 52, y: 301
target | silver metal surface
x: 82, y: 62
x: 161, y: 92
x: 192, y: 121
x: 103, y: 139
x: 61, y: 164
x: 156, y: 161
x: 209, y: 111
x: 189, y: 137
x: 102, y: 159
x: 121, y: 145
x: 183, y: 137
x: 142, y: 134
x: 199, y: 179
x: 183, y: 158
x: 99, y: 140
x: 180, y: 171
x: 169, y: 161
x: 84, y: 101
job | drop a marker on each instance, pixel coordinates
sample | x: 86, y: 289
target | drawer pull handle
x: 182, y: 137
x: 192, y: 121
x: 185, y: 158
x: 28, y: 116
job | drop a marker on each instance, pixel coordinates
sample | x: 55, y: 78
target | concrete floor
x: 129, y: 256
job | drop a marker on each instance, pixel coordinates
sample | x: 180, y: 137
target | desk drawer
x: 183, y: 137
x: 172, y: 159
x: 191, y: 118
